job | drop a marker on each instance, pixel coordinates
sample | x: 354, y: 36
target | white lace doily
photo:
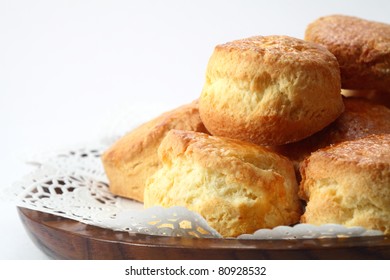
x: 72, y: 184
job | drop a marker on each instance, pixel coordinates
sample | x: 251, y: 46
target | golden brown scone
x: 270, y: 90
x: 362, y: 49
x: 360, y: 118
x: 349, y: 184
x: 133, y: 158
x: 376, y: 96
x: 238, y: 187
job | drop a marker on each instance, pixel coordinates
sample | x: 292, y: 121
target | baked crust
x: 238, y: 187
x: 270, y: 90
x: 133, y: 158
x: 361, y: 118
x: 376, y: 96
x: 362, y: 49
x: 349, y: 184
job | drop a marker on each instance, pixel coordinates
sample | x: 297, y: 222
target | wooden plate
x: 63, y: 238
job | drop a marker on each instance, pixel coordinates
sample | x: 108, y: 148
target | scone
x: 361, y: 118
x: 270, y: 90
x: 238, y: 187
x: 133, y: 158
x: 362, y: 49
x: 349, y: 184
x: 376, y: 96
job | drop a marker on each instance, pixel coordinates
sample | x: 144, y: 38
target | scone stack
x: 271, y: 140
x: 349, y: 183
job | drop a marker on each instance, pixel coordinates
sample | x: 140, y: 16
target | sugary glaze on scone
x: 349, y: 184
x: 133, y: 158
x: 362, y: 48
x: 270, y: 90
x: 238, y: 187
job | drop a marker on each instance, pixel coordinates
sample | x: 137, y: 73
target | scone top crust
x: 224, y: 154
x: 277, y: 50
x: 150, y: 134
x: 349, y: 160
x: 270, y: 90
x: 362, y: 48
x: 341, y: 29
x: 373, y: 150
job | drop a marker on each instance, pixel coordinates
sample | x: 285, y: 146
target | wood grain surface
x: 63, y: 238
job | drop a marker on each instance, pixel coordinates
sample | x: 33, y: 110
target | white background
x: 67, y: 68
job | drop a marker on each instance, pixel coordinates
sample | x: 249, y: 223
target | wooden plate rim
x: 39, y: 225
